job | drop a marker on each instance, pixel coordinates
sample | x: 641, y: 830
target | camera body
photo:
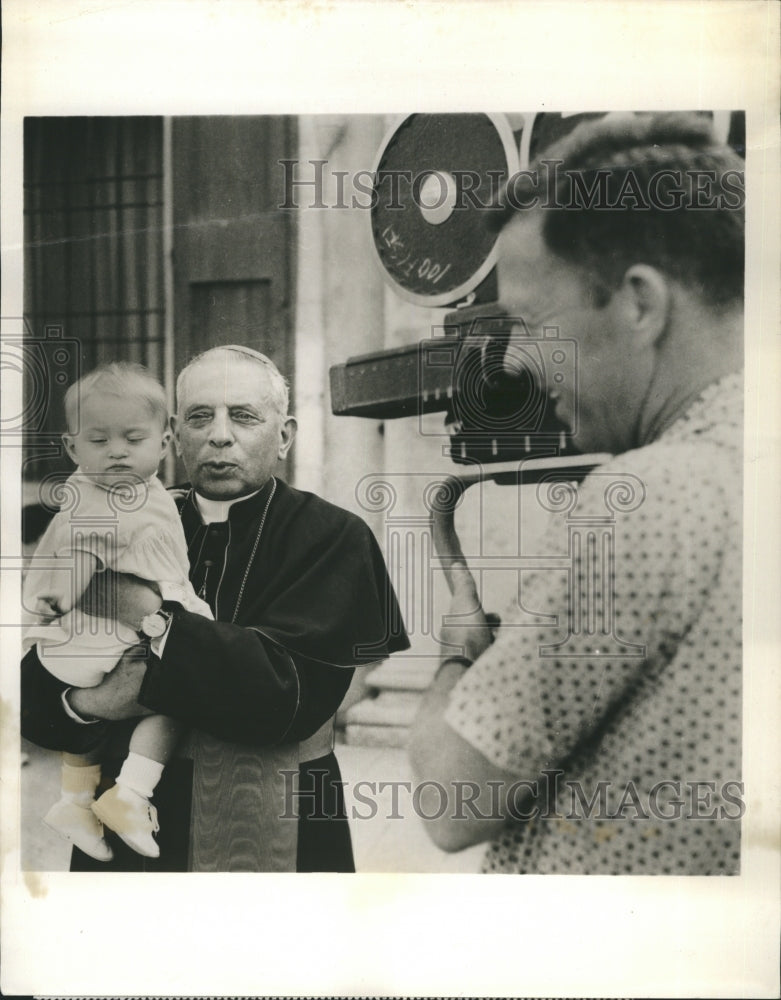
x: 501, y: 409
x: 484, y: 371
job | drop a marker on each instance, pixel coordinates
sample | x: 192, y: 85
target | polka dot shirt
x: 613, y: 690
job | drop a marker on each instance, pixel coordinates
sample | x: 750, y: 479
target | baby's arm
x: 65, y: 589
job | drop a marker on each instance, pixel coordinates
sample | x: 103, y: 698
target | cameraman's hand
x: 120, y: 596
x: 473, y: 631
x: 116, y: 696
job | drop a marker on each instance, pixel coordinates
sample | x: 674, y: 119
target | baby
x: 118, y: 517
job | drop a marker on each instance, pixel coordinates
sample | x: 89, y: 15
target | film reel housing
x: 434, y: 176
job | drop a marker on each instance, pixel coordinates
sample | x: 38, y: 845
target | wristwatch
x: 155, y: 625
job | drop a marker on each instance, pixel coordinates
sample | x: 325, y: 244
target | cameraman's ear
x: 644, y: 299
x: 287, y: 433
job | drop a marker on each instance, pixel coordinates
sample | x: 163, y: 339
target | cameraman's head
x: 634, y: 250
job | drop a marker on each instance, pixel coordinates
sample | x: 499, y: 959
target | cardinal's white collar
x: 212, y: 511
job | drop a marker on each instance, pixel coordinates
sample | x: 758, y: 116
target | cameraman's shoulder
x: 669, y: 481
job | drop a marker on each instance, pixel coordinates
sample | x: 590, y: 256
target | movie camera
x: 435, y: 180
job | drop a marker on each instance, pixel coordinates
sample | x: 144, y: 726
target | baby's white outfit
x: 129, y: 529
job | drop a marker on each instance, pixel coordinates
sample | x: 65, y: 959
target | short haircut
x: 702, y: 247
x: 117, y: 378
x: 280, y: 392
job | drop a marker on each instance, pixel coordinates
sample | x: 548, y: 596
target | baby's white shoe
x: 78, y: 824
x: 131, y: 816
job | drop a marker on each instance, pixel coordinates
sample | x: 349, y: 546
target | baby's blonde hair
x: 117, y: 378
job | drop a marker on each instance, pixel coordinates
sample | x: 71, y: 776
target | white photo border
x: 403, y: 934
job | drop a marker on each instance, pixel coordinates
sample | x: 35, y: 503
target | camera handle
x: 447, y: 545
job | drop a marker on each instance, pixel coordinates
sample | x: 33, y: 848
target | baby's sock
x: 140, y: 774
x: 79, y: 783
x: 72, y: 816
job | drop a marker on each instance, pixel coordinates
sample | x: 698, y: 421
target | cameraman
x: 607, y: 756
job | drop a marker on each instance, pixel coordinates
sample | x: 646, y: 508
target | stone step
x: 389, y: 708
x: 394, y: 691
x: 376, y: 736
x: 403, y: 674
